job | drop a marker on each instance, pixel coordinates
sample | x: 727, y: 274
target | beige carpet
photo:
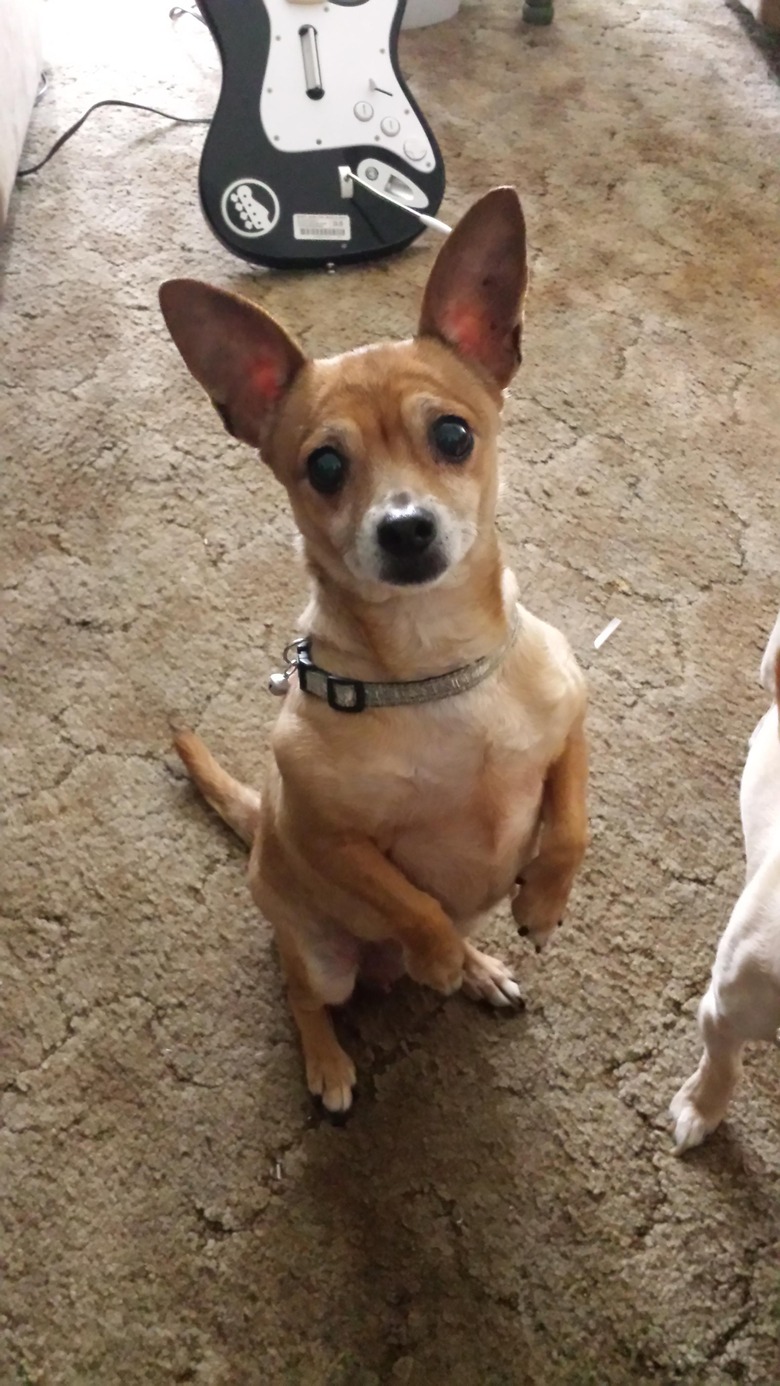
x: 504, y: 1208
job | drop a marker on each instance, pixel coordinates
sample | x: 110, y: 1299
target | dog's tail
x: 238, y: 805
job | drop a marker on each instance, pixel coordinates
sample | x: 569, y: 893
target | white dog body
x: 743, y: 1000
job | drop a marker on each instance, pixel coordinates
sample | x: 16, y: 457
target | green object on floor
x: 538, y: 11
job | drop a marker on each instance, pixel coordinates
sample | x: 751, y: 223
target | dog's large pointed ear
x: 474, y: 297
x: 243, y: 359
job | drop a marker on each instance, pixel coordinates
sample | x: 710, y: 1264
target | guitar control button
x: 415, y: 150
x: 390, y: 126
x: 372, y: 173
x: 363, y: 110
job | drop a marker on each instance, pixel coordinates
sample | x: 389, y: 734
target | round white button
x: 414, y: 150
x: 364, y: 110
x: 390, y: 126
x: 372, y: 173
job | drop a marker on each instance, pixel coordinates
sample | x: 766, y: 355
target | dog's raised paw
x: 539, y: 904
x: 487, y: 979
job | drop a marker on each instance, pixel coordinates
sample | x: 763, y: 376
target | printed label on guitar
x: 321, y: 226
x: 250, y: 208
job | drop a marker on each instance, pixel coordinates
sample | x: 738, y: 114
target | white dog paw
x: 690, y: 1128
x: 690, y: 1124
x: 487, y: 979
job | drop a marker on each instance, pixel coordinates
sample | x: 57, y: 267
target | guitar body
x: 309, y: 88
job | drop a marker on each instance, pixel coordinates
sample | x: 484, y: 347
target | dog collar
x: 354, y: 695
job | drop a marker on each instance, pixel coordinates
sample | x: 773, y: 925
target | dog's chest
x: 451, y: 791
x: 456, y: 795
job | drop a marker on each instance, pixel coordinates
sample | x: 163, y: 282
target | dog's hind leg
x: 330, y: 1073
x: 701, y: 1103
x: 742, y: 1003
x: 316, y: 979
x: 487, y: 979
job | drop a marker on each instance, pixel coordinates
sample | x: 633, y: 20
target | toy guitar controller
x: 309, y: 88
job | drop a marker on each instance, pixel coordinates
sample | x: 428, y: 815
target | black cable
x: 113, y: 101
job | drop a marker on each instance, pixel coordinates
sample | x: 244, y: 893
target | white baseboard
x: 20, y: 71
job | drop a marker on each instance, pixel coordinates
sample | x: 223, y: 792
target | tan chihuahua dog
x: 430, y: 752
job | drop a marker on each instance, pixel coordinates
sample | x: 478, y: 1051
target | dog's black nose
x: 406, y: 533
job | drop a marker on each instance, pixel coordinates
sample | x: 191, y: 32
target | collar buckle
x: 353, y: 691
x: 342, y: 694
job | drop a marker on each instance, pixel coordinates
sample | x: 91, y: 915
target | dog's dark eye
x: 452, y: 438
x: 327, y: 471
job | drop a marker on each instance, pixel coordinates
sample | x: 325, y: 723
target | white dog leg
x: 742, y: 1003
x: 701, y: 1103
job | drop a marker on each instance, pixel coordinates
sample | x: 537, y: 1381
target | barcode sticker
x: 321, y: 226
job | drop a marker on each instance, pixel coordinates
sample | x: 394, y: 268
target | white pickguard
x: 353, y: 51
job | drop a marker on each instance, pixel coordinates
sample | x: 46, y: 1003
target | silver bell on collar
x: 278, y: 684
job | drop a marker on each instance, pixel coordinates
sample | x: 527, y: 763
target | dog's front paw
x: 540, y: 903
x: 438, y: 964
x: 695, y: 1112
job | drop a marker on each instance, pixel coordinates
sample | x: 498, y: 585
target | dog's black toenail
x: 523, y: 930
x: 558, y: 925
